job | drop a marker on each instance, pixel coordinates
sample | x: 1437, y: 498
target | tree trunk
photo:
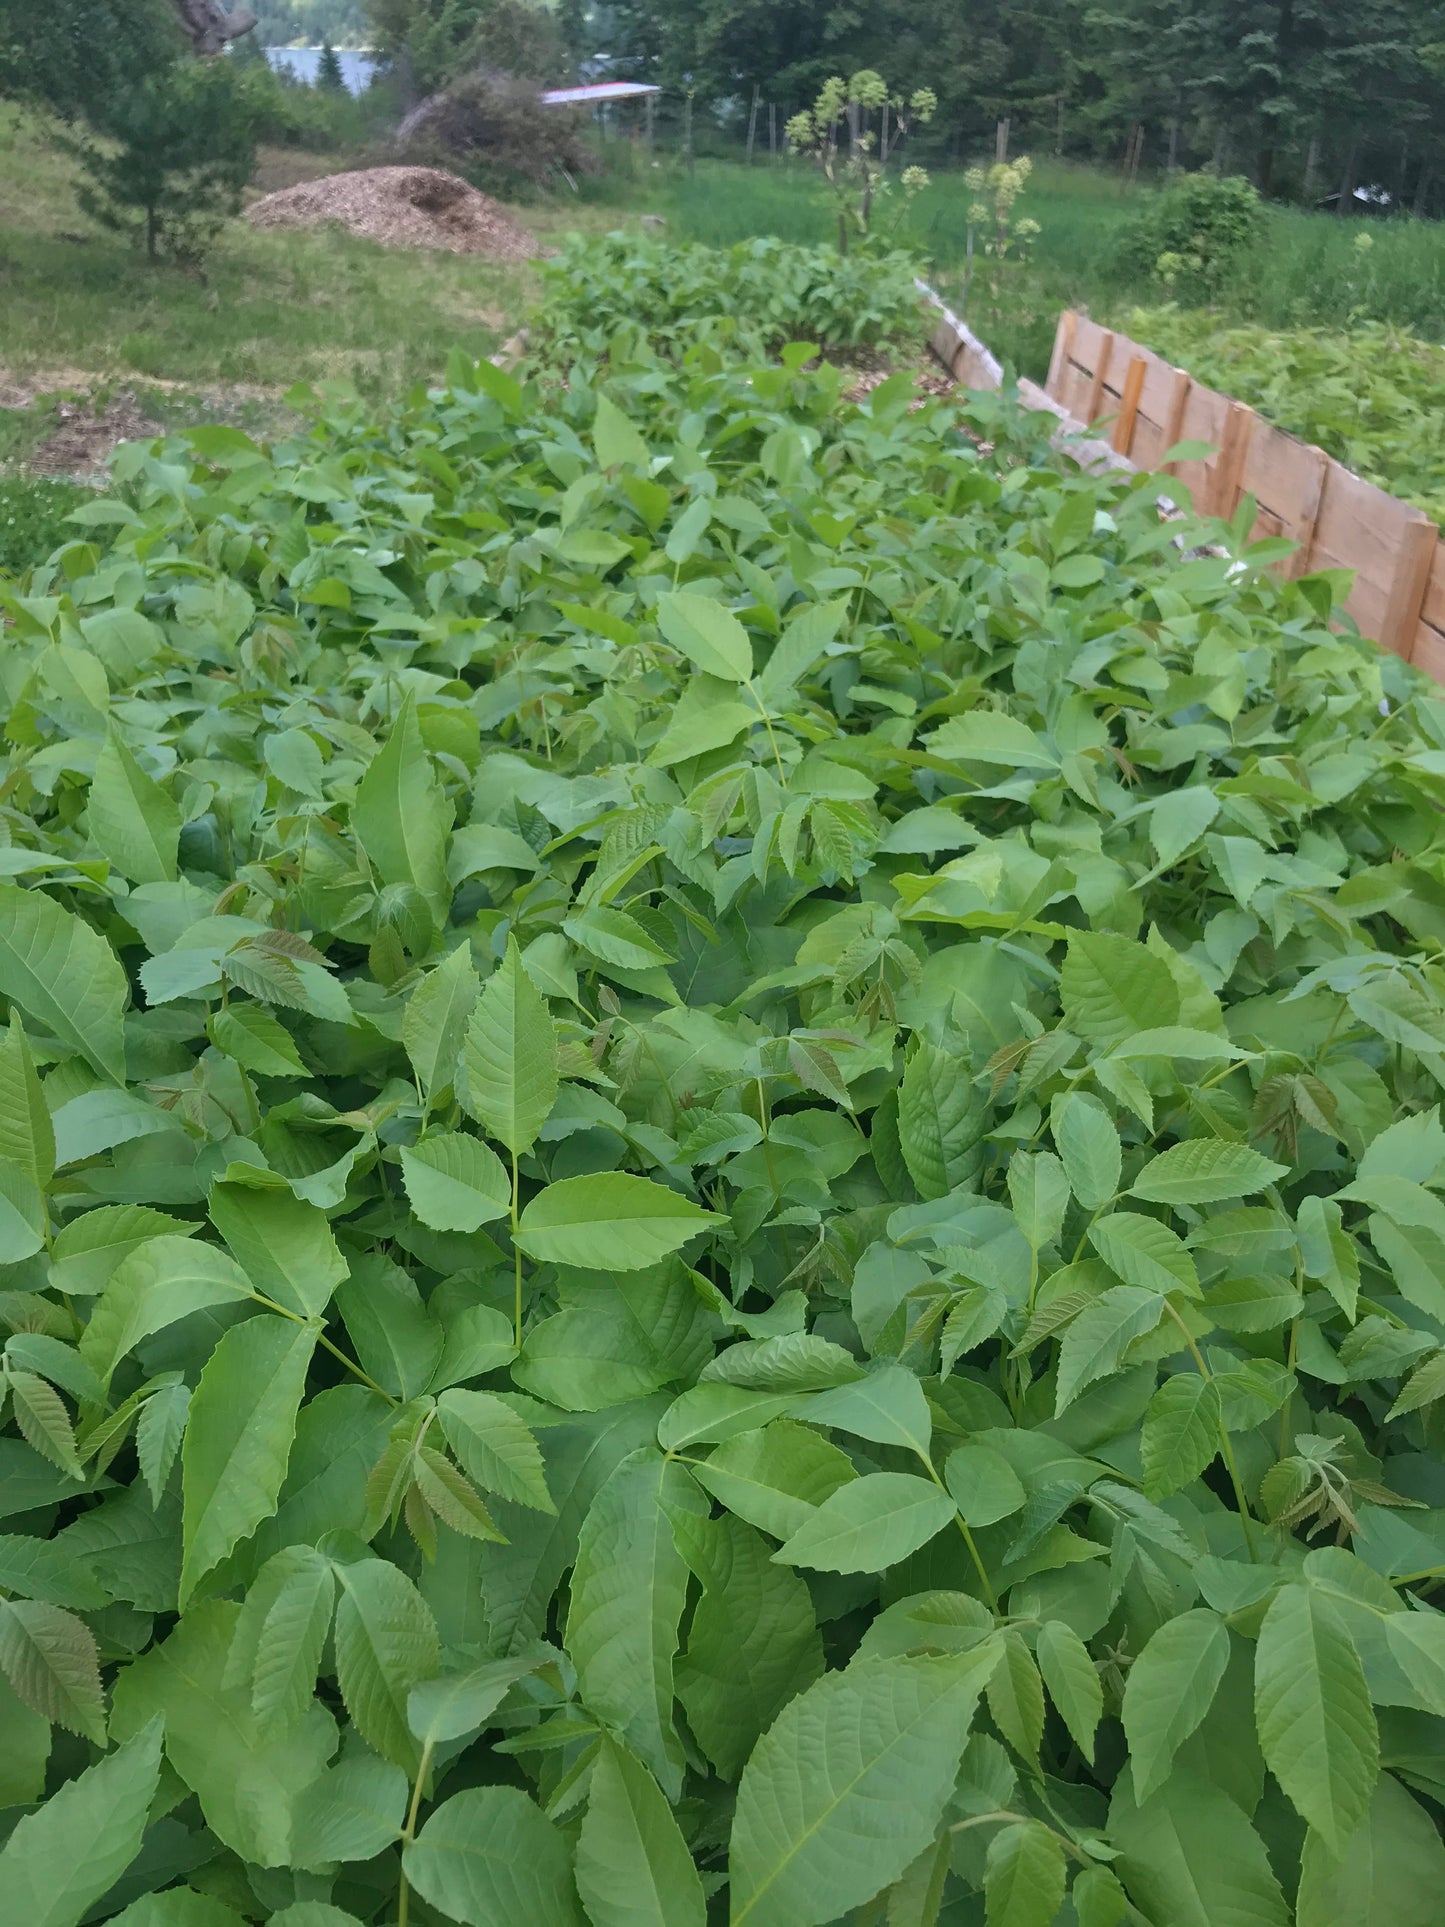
x: 1173, y: 161
x: 1312, y: 168
x: 1000, y: 140
x: 687, y: 132
x: 1347, y: 180
x: 1422, y: 190
x: 208, y: 25
x: 753, y: 121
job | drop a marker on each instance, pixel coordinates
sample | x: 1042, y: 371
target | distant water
x: 356, y: 68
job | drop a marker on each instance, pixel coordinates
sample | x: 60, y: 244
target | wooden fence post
x: 1122, y: 439
x: 1059, y: 359
x: 1413, y: 562
x: 1101, y: 370
x: 1178, y: 402
x: 1238, y: 428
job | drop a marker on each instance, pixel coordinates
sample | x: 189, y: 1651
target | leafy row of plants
x: 1373, y: 397
x: 721, y: 1185
x: 624, y: 289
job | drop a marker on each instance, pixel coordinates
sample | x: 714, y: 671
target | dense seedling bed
x: 721, y: 1189
x: 1373, y: 397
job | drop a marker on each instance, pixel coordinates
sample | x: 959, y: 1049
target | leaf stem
x: 517, y: 1264
x: 768, y: 726
x: 408, y: 1833
x: 1226, y: 1444
x: 325, y: 1343
x: 968, y: 1539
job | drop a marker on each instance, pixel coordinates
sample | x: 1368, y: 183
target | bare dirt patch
x: 84, y: 435
x: 412, y: 207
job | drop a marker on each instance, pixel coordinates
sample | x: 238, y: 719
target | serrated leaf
x: 1189, y: 1856
x: 809, y: 1846
x: 1144, y: 1252
x: 869, y: 1524
x: 633, y: 1865
x: 511, y: 1056
x: 615, y: 439
x: 1072, y: 1681
x: 1205, y: 1170
x: 752, y: 1645
x: 27, y: 1137
x: 132, y: 819
x: 280, y: 1636
x: 612, y: 1221
x: 491, y: 1858
x: 455, y: 1182
x: 495, y: 1447
x: 706, y: 633
x: 158, y: 1433
x: 158, y: 1281
x: 49, y: 1657
x: 63, y: 1858
x: 1170, y: 1688
x: 941, y: 1119
x: 1088, y: 1143
x: 257, y: 1041
x: 238, y: 1439
x: 1181, y: 1432
x: 1112, y: 987
x: 627, y: 1594
x: 1024, y: 1876
x: 284, y: 1245
x: 1095, y: 1342
x: 435, y: 1021
x: 1178, y: 820
x: 247, y: 1783
x: 65, y: 975
x: 1316, y: 1724
x: 386, y: 1643
x: 401, y: 815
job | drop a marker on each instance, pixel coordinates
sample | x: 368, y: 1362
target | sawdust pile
x: 403, y: 207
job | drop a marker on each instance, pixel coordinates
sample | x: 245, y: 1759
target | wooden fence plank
x: 1122, y: 439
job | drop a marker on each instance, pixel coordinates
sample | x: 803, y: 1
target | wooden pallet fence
x: 971, y: 364
x: 1338, y: 520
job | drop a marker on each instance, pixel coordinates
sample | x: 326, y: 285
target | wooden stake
x: 1000, y: 140
x: 651, y: 99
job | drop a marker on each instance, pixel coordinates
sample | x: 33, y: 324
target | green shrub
x: 723, y: 1180
x: 1193, y: 233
